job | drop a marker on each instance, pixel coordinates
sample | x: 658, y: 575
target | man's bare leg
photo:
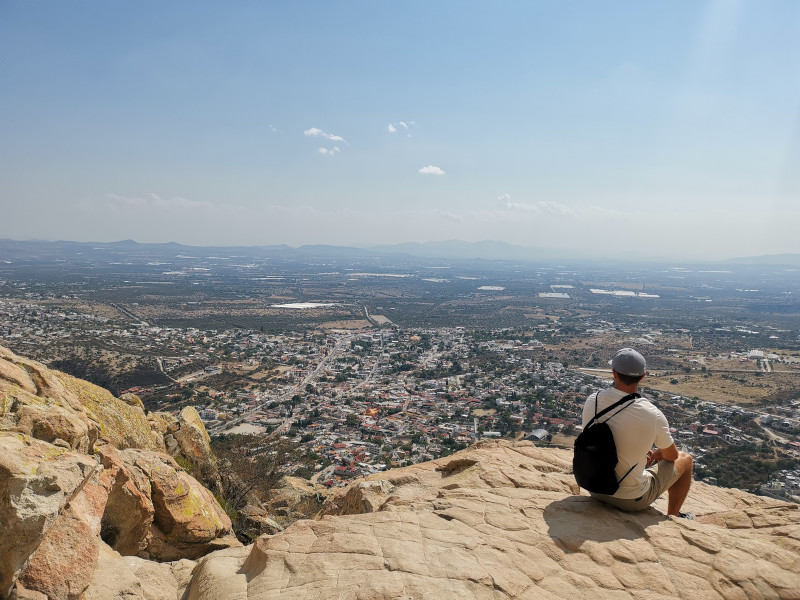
x: 680, y: 489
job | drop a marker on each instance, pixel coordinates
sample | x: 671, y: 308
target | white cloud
x: 394, y: 127
x: 431, y: 170
x: 327, y: 150
x: 398, y: 125
x: 153, y: 201
x: 540, y: 207
x: 431, y: 215
x: 316, y: 132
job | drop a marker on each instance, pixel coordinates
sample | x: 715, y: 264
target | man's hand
x: 656, y: 456
x: 653, y: 457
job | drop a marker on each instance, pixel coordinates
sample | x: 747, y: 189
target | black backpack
x: 595, y: 458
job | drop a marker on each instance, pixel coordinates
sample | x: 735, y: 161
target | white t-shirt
x: 635, y: 429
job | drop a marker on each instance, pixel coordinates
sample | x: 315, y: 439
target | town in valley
x: 364, y: 361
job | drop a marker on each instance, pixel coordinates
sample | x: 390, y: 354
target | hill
x: 497, y: 520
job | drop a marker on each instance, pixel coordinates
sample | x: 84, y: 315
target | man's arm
x: 669, y: 453
x: 683, y: 465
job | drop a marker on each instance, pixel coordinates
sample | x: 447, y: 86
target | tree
x: 250, y: 465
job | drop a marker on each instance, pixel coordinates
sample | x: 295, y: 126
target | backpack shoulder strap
x: 608, y: 409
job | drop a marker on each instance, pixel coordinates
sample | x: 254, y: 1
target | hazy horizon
x: 669, y: 130
x: 455, y: 249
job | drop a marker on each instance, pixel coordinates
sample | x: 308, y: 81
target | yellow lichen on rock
x: 123, y: 424
x: 50, y: 405
x: 56, y: 496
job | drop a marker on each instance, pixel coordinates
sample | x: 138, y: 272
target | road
x: 369, y: 377
x: 129, y: 314
x: 196, y: 376
x: 160, y: 364
x: 770, y: 433
x: 372, y: 321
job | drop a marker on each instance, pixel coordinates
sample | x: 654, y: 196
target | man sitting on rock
x: 636, y: 428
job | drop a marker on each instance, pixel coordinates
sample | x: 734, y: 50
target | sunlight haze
x: 608, y: 128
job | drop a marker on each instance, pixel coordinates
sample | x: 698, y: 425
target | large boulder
x: 220, y: 575
x: 141, y: 503
x: 360, y: 497
x: 123, y: 424
x: 53, y: 406
x: 157, y: 510
x: 254, y: 521
x: 195, y: 446
x: 188, y: 522
x: 129, y: 513
x: 37, y: 480
x: 33, y: 401
x: 63, y: 564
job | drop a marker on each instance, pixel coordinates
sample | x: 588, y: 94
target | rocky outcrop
x: 187, y: 522
x: 128, y: 517
x: 129, y: 577
x: 254, y: 521
x: 84, y: 477
x: 497, y: 520
x: 55, y: 407
x: 49, y: 405
x: 294, y: 498
x: 156, y: 510
x: 501, y: 520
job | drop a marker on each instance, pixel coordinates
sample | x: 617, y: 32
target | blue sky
x: 669, y: 127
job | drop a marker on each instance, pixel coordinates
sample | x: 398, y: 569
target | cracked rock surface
x: 502, y: 520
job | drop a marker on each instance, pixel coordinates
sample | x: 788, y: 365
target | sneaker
x: 686, y: 515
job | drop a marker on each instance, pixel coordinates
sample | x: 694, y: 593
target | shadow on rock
x: 577, y: 519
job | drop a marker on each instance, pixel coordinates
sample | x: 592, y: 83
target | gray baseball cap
x: 628, y: 362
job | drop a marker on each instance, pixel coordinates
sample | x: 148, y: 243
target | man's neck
x: 628, y: 389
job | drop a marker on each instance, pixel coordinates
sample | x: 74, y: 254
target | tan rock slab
x: 513, y: 527
x: 63, y: 564
x: 36, y: 481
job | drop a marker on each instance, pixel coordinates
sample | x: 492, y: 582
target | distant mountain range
x: 768, y: 259
x: 486, y: 250
x: 449, y: 249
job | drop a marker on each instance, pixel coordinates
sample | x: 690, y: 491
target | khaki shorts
x: 664, y: 477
